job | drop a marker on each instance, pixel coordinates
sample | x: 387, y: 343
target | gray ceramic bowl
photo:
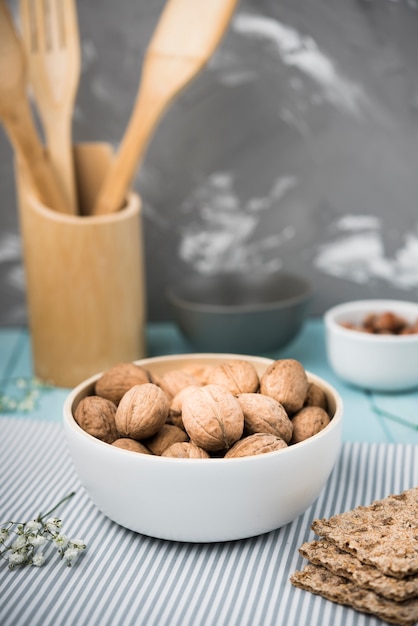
x: 243, y: 313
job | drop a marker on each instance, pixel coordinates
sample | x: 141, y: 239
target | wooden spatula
x: 186, y: 36
x: 50, y: 35
x: 16, y: 116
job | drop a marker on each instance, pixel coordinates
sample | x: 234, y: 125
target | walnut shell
x: 174, y: 416
x: 308, y: 422
x: 130, y: 444
x: 286, y: 381
x: 173, y: 381
x: 237, y: 375
x: 166, y: 436
x: 116, y: 381
x: 96, y: 416
x: 142, y: 411
x: 199, y: 371
x: 263, y: 414
x: 185, y: 450
x: 258, y: 443
x: 212, y: 417
x: 316, y: 396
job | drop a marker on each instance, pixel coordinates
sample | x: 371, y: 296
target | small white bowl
x: 203, y: 500
x: 369, y: 361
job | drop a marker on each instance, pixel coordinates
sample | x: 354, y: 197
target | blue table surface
x: 368, y: 416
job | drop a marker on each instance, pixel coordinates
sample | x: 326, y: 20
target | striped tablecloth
x: 128, y: 579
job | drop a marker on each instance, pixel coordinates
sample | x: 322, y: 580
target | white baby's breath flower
x: 16, y: 558
x: 36, y: 540
x: 22, y: 549
x: 70, y: 555
x: 61, y: 541
x: 78, y: 544
x: 33, y: 525
x: 53, y: 524
x: 19, y: 543
x: 38, y: 559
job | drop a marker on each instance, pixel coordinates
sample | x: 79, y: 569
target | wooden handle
x: 186, y: 36
x: 23, y: 136
x: 60, y: 152
x: 148, y: 109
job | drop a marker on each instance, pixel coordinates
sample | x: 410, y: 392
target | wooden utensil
x: 186, y: 36
x: 16, y: 116
x: 51, y: 38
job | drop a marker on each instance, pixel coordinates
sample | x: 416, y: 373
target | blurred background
x: 295, y: 148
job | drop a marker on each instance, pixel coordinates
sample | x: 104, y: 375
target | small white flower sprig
x: 24, y: 395
x: 26, y: 540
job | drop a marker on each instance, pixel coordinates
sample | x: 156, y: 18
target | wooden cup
x: 84, y: 278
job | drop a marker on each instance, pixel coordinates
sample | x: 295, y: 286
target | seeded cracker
x: 383, y: 534
x: 320, y: 581
x: 327, y: 554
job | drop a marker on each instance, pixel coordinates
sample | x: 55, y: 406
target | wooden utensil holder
x: 84, y: 278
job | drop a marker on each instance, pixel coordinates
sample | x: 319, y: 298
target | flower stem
x: 41, y: 516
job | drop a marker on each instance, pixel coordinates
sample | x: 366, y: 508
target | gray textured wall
x: 297, y: 147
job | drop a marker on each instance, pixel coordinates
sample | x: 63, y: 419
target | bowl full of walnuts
x: 373, y: 344
x: 204, y: 447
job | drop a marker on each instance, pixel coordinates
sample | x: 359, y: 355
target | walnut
x: 130, y: 444
x: 174, y: 381
x: 316, y: 396
x: 174, y: 416
x: 164, y: 438
x: 308, y: 422
x: 142, y: 411
x: 237, y: 375
x: 286, y: 381
x: 185, y: 450
x: 258, y: 443
x: 212, y: 417
x: 263, y: 414
x: 116, y: 381
x: 200, y: 371
x: 96, y: 416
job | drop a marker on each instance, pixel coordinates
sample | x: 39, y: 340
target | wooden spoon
x: 51, y: 38
x: 17, y: 118
x: 186, y: 36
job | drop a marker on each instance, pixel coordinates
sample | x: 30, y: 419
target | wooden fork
x: 50, y: 34
x: 16, y: 115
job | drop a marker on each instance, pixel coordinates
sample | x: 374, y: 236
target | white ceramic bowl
x: 203, y: 500
x: 375, y: 362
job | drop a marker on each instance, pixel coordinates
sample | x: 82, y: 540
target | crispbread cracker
x: 320, y: 581
x: 383, y: 534
x: 342, y: 563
